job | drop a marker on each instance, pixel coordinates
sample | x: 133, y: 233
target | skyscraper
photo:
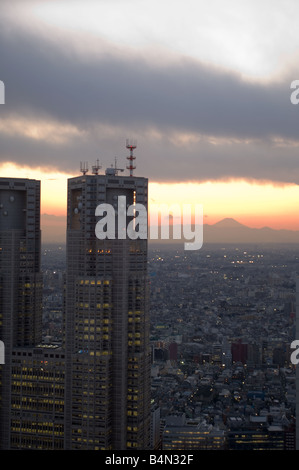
x: 107, y: 320
x: 20, y: 280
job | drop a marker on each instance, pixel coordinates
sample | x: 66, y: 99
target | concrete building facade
x: 107, y: 320
x: 20, y: 280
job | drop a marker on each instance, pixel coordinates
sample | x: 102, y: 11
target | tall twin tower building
x: 93, y: 391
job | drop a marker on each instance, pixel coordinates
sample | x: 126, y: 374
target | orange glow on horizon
x: 252, y: 204
x: 53, y: 186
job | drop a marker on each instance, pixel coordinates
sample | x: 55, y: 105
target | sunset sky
x: 204, y: 88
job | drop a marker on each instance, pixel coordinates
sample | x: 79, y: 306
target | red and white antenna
x: 131, y: 146
x: 96, y: 167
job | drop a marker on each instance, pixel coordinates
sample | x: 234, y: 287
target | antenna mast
x: 84, y: 167
x: 131, y: 146
x: 115, y: 167
x: 96, y: 168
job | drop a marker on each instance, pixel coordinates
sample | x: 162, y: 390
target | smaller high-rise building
x: 20, y: 281
x: 37, y: 398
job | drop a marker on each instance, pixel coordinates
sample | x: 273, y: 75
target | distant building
x: 180, y: 434
x: 239, y: 352
x: 217, y: 356
x: 173, y: 351
x: 271, y: 438
x: 155, y: 442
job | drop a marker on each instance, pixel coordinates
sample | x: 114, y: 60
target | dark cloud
x: 230, y: 125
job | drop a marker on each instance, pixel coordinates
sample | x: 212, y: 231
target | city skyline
x: 103, y: 358
x: 113, y: 339
x: 206, y: 95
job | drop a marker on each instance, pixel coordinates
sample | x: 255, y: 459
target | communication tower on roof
x: 131, y: 145
x: 113, y: 171
x: 84, y: 167
x: 96, y: 168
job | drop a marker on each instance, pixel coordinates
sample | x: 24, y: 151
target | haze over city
x: 204, y: 88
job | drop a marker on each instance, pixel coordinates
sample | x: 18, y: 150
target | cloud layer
x: 72, y: 101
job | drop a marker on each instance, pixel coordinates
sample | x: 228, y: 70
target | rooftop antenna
x: 84, y: 167
x: 113, y: 170
x: 131, y: 145
x: 96, y: 168
x: 115, y: 167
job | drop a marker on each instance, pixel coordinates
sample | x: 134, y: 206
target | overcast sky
x: 204, y: 87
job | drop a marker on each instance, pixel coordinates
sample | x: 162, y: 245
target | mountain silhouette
x: 229, y: 230
x: 228, y: 222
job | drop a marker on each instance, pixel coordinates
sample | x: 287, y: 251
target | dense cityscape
x: 222, y: 321
x: 119, y: 120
